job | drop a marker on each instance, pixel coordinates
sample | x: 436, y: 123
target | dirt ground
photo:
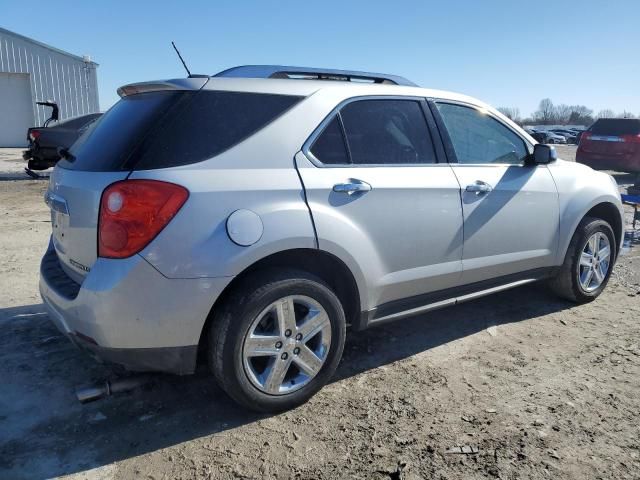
x: 540, y: 387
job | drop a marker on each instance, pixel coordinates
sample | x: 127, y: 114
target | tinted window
x: 479, y: 138
x: 109, y: 142
x: 329, y: 147
x: 387, y: 132
x: 616, y: 126
x: 165, y: 129
x: 212, y: 123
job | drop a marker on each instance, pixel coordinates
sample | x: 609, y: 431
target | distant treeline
x: 550, y: 114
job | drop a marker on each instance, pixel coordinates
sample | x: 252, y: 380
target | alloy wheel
x: 595, y: 261
x: 286, y: 345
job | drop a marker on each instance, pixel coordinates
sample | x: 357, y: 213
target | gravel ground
x: 528, y: 385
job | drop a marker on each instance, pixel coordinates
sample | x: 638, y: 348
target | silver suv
x: 251, y: 216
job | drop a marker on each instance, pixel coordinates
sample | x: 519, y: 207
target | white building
x: 32, y: 71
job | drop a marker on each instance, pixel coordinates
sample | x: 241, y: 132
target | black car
x: 46, y: 142
x: 540, y: 137
x: 568, y: 134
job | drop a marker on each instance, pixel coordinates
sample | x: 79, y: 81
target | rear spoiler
x: 192, y: 83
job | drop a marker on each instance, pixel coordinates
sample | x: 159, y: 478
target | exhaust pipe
x: 110, y: 387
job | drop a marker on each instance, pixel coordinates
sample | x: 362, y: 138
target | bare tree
x: 563, y: 113
x: 512, y: 113
x: 581, y: 115
x: 626, y: 114
x: 546, y: 112
x: 606, y: 113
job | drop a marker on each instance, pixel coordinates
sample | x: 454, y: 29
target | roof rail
x: 310, y: 73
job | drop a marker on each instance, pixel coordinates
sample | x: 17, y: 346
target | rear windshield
x: 616, y: 126
x: 169, y: 128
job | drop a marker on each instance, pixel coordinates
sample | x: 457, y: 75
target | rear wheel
x: 588, y: 262
x: 277, y: 340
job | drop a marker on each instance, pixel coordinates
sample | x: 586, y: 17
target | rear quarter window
x: 167, y: 129
x: 212, y: 123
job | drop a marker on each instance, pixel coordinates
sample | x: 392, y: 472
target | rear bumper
x: 619, y: 163
x: 178, y: 360
x: 126, y: 312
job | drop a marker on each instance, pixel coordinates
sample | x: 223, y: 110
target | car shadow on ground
x: 45, y: 432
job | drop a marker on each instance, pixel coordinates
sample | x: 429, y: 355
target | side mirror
x: 543, y: 154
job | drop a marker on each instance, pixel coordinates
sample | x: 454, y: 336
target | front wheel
x: 277, y: 340
x: 588, y: 262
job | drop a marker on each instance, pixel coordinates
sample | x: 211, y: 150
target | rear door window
x: 387, y: 132
x: 329, y: 147
x: 169, y: 128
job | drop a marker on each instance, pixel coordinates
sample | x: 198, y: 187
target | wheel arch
x: 605, y: 210
x: 608, y: 212
x: 328, y: 267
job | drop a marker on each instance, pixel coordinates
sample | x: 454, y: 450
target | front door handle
x: 352, y: 186
x: 479, y: 187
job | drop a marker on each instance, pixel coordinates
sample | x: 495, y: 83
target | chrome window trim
x: 306, y: 146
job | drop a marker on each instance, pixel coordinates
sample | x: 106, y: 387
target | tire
x: 240, y: 315
x: 566, y: 284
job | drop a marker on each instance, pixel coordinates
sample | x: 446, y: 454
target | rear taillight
x: 585, y: 137
x: 133, y: 212
x: 34, y: 134
x: 631, y: 138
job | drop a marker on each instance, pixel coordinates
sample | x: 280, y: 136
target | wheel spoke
x: 308, y: 361
x: 593, y: 244
x: 314, y: 322
x: 604, y: 253
x: 604, y: 268
x: 261, y: 345
x: 597, y: 273
x: 286, y: 315
x: 587, y: 279
x: 585, y: 259
x: 275, y: 374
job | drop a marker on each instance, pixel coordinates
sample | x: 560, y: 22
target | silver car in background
x: 252, y: 215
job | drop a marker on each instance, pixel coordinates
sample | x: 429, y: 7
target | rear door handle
x: 352, y: 186
x: 479, y: 187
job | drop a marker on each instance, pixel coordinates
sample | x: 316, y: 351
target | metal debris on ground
x: 465, y: 450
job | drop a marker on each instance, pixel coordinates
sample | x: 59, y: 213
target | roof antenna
x: 181, y: 59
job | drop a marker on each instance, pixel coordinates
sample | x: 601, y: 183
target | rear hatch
x: 104, y: 154
x: 152, y: 126
x: 612, y: 137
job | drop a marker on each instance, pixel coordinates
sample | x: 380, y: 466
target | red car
x: 611, y: 144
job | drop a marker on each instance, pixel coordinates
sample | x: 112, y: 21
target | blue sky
x: 508, y: 53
